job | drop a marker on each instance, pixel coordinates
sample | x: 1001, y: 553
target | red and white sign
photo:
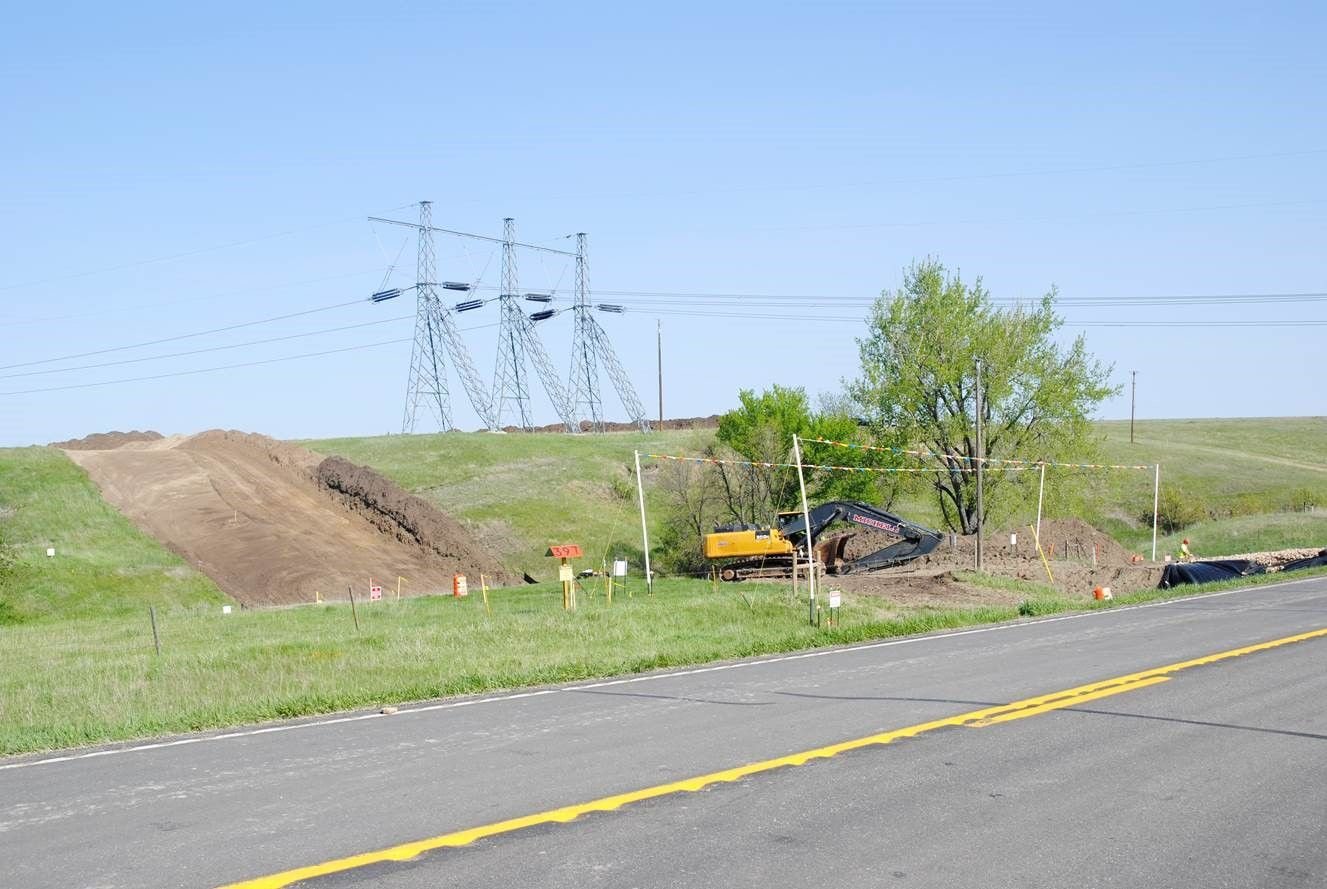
x: 375, y: 593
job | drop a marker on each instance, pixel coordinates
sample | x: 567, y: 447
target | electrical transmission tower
x: 517, y: 339
x: 589, y: 346
x: 437, y: 337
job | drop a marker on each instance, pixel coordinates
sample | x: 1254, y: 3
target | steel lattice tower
x: 509, y: 383
x: 436, y: 336
x: 584, y: 382
x: 589, y: 347
x: 516, y: 340
x: 427, y: 380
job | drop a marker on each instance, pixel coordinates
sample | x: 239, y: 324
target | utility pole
x: 1133, y: 398
x: 980, y: 461
x: 659, y: 328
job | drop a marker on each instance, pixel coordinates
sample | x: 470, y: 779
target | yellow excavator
x: 746, y: 551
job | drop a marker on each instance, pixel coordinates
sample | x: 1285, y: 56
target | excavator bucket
x: 829, y: 552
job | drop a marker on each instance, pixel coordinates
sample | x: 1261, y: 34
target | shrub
x: 1177, y: 510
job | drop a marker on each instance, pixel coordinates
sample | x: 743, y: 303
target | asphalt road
x: 1214, y: 775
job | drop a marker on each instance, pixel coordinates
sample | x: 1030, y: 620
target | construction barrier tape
x: 985, y: 461
x: 717, y: 462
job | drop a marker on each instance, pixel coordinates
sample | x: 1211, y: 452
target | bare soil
x: 271, y: 526
x: 105, y: 441
x: 1080, y: 558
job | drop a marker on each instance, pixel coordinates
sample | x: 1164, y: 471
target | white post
x: 806, y: 520
x: 644, y: 532
x: 1156, y: 504
x: 1041, y: 491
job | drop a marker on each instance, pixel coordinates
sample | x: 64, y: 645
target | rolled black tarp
x: 1317, y: 561
x: 1177, y: 573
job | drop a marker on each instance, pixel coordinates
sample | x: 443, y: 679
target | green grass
x: 93, y: 680
x: 523, y: 492
x: 88, y: 681
x: 102, y: 566
x: 1246, y: 474
x: 76, y: 660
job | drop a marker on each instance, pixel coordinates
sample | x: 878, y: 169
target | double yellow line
x: 974, y: 719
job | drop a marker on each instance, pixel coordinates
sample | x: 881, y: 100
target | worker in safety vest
x: 1185, y: 555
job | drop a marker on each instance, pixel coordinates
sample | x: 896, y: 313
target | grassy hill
x: 102, y: 565
x: 524, y: 492
x: 1253, y: 476
x: 1248, y: 479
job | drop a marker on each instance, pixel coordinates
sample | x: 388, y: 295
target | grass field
x: 84, y: 681
x: 79, y: 682
x: 76, y: 658
x: 527, y: 491
x: 102, y: 564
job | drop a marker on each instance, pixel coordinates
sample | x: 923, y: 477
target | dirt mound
x: 406, y: 517
x: 1081, y: 558
x: 929, y: 588
x: 1274, y: 559
x: 251, y: 513
x: 105, y: 441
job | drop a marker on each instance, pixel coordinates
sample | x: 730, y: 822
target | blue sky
x: 170, y: 170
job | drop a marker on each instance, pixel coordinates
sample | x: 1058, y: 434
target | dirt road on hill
x: 255, y: 515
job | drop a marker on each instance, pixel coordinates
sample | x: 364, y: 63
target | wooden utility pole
x: 660, y: 331
x: 980, y: 461
x: 1133, y: 398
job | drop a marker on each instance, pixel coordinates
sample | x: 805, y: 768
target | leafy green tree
x: 761, y: 430
x: 918, y: 390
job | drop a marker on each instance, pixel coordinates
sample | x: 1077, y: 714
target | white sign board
x: 50, y: 552
x: 619, y: 567
x: 225, y: 609
x: 835, y: 598
x: 375, y: 593
x: 565, y: 574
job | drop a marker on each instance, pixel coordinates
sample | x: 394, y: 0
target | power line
x: 113, y: 310
x: 838, y: 319
x: 203, y: 370
x: 187, y: 253
x: 275, y: 339
x: 183, y: 336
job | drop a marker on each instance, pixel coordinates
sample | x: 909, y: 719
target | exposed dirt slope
x: 251, y: 513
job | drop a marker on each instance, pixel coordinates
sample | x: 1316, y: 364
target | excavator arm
x: 915, y: 540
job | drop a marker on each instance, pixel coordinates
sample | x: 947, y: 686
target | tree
x: 761, y: 430
x: 918, y: 385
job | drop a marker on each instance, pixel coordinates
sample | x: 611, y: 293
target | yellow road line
x: 974, y: 719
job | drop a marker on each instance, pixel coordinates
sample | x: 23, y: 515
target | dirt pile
x: 251, y: 513
x: 408, y: 518
x: 105, y: 441
x: 1080, y: 557
x: 1274, y: 559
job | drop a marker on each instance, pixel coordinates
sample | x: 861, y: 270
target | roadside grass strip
x: 982, y: 718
